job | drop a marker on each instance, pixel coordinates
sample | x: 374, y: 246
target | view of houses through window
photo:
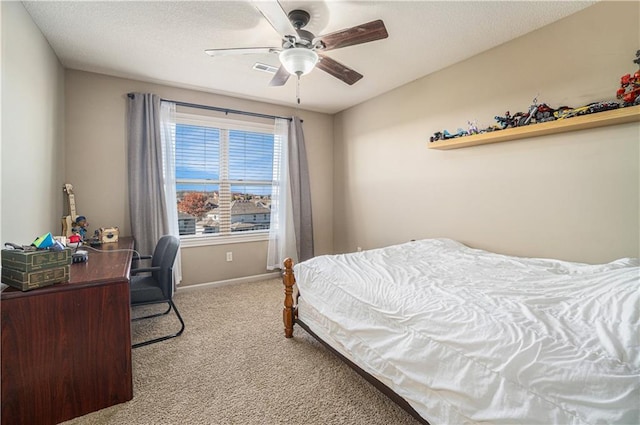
x: 224, y: 176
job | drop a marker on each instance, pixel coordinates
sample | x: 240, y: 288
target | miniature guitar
x: 67, y: 220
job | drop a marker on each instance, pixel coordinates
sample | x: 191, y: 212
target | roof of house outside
x: 183, y: 215
x: 239, y: 226
x: 248, y: 207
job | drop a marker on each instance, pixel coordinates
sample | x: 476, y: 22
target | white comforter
x: 468, y: 336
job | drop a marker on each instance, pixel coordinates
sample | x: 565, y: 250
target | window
x: 224, y: 173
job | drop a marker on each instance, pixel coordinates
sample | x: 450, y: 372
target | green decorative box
x: 31, y: 261
x: 25, y: 281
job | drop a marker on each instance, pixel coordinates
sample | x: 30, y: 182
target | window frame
x: 204, y: 239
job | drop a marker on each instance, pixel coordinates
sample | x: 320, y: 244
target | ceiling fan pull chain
x: 298, y: 88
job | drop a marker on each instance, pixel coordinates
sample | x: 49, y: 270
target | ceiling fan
x: 302, y: 51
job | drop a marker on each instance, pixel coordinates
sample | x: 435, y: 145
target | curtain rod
x: 216, y: 108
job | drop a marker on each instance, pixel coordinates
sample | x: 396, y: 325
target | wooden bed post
x: 288, y: 311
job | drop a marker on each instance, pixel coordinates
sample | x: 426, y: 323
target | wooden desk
x: 66, y: 348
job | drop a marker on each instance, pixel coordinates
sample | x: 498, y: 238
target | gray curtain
x: 147, y: 201
x: 300, y: 191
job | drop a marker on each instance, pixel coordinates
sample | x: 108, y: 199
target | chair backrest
x: 164, y: 256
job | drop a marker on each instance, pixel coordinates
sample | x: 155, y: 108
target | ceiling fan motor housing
x: 299, y: 18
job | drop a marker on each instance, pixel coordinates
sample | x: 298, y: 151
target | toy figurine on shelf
x: 596, y: 107
x: 544, y: 113
x: 445, y: 135
x: 473, y: 127
x: 522, y: 118
x: 506, y: 121
x: 538, y: 112
x: 80, y: 226
x: 461, y: 132
x: 436, y: 136
x: 629, y: 90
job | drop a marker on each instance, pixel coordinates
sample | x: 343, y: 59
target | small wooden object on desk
x: 108, y: 234
x: 68, y: 220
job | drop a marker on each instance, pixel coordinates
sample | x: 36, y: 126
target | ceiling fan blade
x: 280, y: 78
x: 371, y: 31
x: 275, y: 14
x: 241, y: 51
x: 338, y: 70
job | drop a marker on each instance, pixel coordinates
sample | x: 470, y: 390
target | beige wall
x: 572, y: 196
x: 32, y: 130
x: 96, y: 157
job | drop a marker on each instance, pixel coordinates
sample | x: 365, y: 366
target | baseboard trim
x: 247, y: 279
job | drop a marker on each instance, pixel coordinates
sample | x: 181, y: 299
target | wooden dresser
x: 66, y: 348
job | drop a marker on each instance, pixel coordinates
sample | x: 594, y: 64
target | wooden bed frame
x: 290, y: 317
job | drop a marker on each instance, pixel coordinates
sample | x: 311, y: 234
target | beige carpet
x: 233, y: 365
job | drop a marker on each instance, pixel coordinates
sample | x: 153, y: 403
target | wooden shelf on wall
x: 600, y: 119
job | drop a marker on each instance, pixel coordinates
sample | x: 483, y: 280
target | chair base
x: 162, y: 338
x: 152, y: 315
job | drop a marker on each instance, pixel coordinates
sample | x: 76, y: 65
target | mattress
x: 470, y: 336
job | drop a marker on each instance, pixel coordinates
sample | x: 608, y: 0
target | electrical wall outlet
x: 229, y: 256
x: 359, y: 248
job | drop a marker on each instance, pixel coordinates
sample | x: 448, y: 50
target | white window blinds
x: 224, y: 172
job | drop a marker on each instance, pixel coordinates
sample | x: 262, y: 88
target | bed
x: 461, y: 335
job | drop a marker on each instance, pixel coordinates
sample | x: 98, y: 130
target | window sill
x: 195, y: 241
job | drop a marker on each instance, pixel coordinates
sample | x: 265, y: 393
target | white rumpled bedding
x: 469, y: 336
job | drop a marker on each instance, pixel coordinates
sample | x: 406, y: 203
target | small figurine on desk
x: 80, y: 226
x: 95, y: 240
x: 74, y: 241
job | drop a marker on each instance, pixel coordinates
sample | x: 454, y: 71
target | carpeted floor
x: 233, y: 365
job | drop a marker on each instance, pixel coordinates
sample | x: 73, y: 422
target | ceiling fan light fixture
x: 298, y: 60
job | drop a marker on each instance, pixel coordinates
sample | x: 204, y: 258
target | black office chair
x: 157, y: 287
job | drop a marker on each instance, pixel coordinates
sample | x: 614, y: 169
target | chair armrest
x: 145, y: 269
x: 141, y: 257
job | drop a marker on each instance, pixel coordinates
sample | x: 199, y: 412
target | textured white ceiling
x: 164, y: 41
